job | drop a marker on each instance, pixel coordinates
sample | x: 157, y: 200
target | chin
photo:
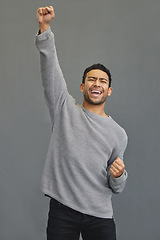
x: 96, y: 102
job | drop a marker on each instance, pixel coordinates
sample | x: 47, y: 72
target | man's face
x: 96, y: 87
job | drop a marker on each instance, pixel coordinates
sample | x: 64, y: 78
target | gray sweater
x: 83, y: 145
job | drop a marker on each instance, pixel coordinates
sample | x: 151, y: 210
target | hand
x: 117, y: 168
x: 44, y: 16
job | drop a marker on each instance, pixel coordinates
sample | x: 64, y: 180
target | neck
x: 97, y: 109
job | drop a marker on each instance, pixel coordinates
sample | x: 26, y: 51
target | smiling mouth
x: 96, y: 93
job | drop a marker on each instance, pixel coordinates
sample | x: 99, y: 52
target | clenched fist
x: 117, y: 168
x: 44, y: 16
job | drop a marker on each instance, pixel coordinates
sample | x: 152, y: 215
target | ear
x: 110, y: 91
x: 82, y: 87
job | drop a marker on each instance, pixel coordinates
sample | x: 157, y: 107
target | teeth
x: 96, y: 92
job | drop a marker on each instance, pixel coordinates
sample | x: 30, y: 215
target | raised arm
x: 55, y: 89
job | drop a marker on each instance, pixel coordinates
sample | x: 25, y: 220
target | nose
x: 96, y: 82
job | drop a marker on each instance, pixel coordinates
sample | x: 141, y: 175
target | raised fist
x: 44, y: 16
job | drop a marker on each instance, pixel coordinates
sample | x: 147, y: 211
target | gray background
x: 124, y: 35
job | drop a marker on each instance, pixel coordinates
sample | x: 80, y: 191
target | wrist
x: 43, y: 27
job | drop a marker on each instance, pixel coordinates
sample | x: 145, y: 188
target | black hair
x: 100, y: 67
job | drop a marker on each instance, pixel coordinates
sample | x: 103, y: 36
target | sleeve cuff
x: 44, y: 35
x: 120, y: 179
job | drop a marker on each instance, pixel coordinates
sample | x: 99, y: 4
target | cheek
x: 86, y: 88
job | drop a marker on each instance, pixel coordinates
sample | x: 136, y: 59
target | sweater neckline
x: 94, y: 115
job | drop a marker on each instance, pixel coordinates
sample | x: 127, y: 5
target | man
x: 84, y: 163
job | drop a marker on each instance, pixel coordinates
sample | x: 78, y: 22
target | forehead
x: 97, y: 73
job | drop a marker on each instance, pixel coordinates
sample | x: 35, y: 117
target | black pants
x: 65, y: 223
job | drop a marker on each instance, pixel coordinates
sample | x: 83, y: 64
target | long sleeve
x: 55, y: 89
x: 117, y: 184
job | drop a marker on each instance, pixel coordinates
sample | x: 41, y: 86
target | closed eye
x: 104, y: 81
x: 91, y: 79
